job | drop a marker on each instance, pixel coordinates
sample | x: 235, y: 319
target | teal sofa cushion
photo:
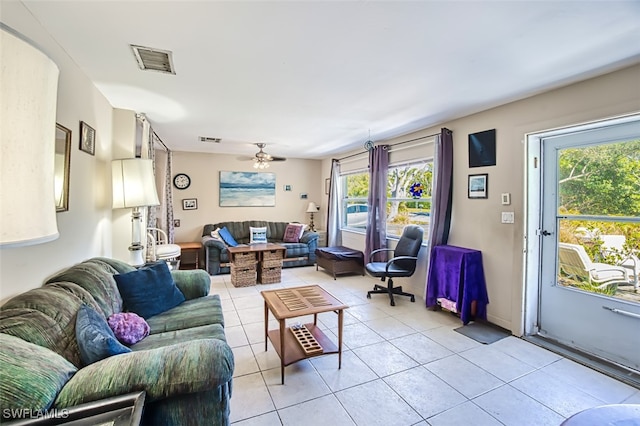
x: 96, y: 340
x: 149, y: 291
x: 30, y: 376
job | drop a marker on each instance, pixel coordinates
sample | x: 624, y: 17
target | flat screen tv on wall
x: 482, y: 148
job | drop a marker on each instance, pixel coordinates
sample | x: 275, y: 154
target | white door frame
x: 533, y: 216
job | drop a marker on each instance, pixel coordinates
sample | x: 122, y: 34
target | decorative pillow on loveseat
x: 128, y: 327
x: 257, y: 235
x: 293, y: 232
x: 227, y: 237
x: 149, y: 290
x: 95, y: 339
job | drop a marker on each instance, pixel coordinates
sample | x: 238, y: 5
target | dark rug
x: 483, y: 332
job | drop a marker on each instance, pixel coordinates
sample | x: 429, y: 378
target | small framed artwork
x: 327, y: 186
x: 478, y: 186
x: 190, y: 204
x: 87, y: 138
x: 303, y: 195
x: 287, y: 187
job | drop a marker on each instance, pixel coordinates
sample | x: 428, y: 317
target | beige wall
x: 203, y: 169
x: 476, y: 223
x: 86, y: 228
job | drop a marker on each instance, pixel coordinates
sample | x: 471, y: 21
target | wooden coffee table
x: 295, y: 302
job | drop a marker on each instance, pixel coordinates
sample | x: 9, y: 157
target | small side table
x: 189, y: 247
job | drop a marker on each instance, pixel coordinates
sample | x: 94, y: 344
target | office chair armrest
x: 395, y: 259
x: 377, y: 251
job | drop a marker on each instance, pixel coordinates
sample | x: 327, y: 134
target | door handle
x: 546, y: 233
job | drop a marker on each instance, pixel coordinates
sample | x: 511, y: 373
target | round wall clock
x: 181, y: 181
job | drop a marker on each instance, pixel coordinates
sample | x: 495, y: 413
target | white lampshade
x: 29, y: 89
x: 133, y: 183
x: 312, y: 207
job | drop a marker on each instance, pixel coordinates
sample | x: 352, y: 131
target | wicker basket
x: 270, y: 275
x: 245, y: 259
x: 273, y: 263
x: 243, y: 277
x: 272, y: 255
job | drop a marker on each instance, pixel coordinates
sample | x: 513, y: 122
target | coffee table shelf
x: 293, y: 351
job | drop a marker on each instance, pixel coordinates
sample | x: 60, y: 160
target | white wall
x: 204, y: 171
x: 85, y: 230
x: 476, y: 223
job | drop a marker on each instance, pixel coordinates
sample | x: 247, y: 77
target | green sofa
x: 301, y: 253
x: 185, y: 365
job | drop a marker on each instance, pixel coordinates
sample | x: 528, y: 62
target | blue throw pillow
x: 227, y: 237
x: 95, y: 339
x: 149, y: 290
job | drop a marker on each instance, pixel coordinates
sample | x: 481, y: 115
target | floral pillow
x: 128, y: 327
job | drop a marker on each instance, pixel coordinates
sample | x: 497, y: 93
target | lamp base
x: 311, y: 225
x: 135, y: 255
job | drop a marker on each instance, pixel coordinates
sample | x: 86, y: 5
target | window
x: 408, y: 197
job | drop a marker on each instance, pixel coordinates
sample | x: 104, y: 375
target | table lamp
x: 27, y: 143
x: 312, y: 208
x: 134, y: 187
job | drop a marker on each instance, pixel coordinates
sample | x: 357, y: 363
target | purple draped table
x: 456, y: 274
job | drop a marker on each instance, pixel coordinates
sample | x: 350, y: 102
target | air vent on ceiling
x: 210, y: 140
x: 150, y: 59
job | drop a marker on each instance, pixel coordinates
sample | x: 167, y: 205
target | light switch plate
x: 506, y: 198
x: 508, y: 217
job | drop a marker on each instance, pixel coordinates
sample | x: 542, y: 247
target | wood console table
x: 456, y: 274
x: 297, y: 302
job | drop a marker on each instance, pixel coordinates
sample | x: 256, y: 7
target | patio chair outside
x: 575, y: 262
x: 615, y: 244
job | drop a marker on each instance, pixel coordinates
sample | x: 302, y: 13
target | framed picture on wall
x: 478, y: 186
x: 87, y: 138
x: 190, y: 204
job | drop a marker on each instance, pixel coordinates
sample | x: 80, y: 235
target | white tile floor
x: 402, y: 365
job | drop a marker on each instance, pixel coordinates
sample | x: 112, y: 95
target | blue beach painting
x: 247, y: 189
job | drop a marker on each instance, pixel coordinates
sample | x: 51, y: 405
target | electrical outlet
x: 508, y: 217
x: 176, y: 223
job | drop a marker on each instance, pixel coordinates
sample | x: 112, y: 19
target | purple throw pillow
x: 128, y: 327
x: 292, y: 233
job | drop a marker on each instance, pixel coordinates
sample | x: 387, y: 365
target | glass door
x: 590, y: 241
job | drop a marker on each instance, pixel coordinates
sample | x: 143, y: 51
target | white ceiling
x: 312, y: 79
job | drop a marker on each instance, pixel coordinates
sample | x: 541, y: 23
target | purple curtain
x: 376, y: 237
x: 442, y: 190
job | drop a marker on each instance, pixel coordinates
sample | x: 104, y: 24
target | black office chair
x: 403, y: 263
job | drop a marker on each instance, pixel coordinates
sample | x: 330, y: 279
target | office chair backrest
x: 409, y: 245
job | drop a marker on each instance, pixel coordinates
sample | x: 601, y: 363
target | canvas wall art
x: 247, y: 189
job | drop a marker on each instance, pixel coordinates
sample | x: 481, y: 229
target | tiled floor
x: 402, y: 365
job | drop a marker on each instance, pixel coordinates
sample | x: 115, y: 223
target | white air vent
x: 150, y: 59
x: 210, y: 140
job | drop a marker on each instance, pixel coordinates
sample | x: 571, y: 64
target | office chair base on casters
x: 391, y: 291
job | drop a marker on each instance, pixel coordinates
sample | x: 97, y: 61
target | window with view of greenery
x: 599, y: 196
x: 408, y: 197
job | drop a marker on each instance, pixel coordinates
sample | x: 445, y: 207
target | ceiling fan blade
x: 278, y: 159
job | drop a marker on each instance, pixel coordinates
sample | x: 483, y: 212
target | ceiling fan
x: 261, y: 159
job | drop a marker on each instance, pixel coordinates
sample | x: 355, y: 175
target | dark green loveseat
x: 184, y: 365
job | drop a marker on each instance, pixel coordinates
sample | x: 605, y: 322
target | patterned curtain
x: 376, y: 237
x: 151, y: 210
x: 334, y: 236
x: 168, y: 198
